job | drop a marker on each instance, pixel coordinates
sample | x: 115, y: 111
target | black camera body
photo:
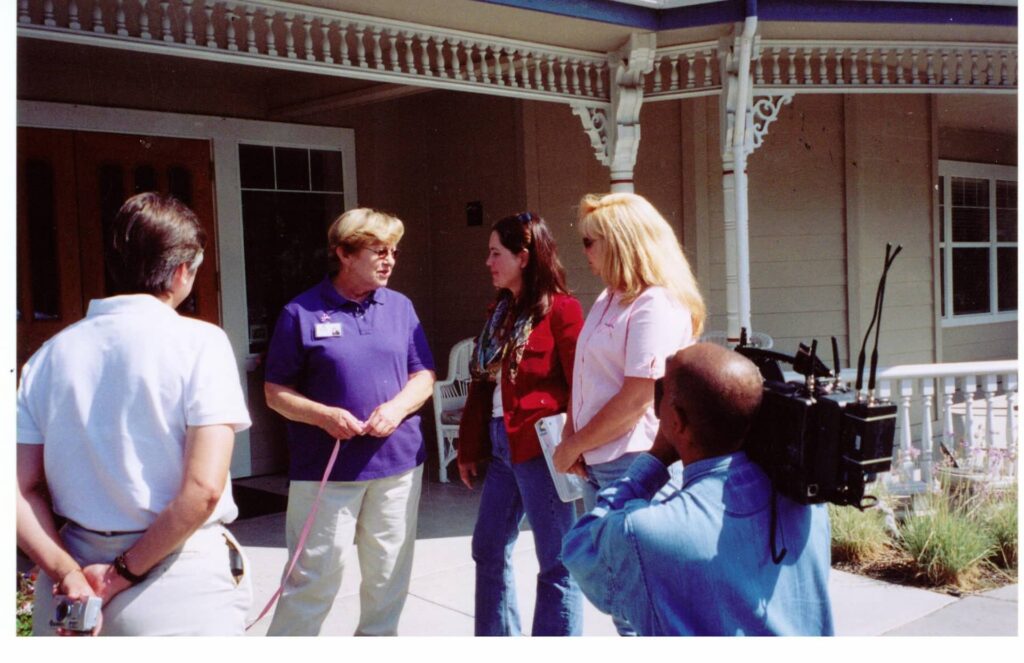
x: 821, y: 444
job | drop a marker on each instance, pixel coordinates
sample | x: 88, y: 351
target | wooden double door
x: 70, y: 187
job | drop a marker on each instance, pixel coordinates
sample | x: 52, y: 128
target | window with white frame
x: 977, y: 242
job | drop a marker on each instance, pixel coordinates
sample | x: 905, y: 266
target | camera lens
x: 63, y: 610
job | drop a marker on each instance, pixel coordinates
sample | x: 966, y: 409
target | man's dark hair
x: 717, y: 392
x: 152, y: 235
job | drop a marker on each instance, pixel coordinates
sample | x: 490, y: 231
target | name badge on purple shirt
x: 327, y: 330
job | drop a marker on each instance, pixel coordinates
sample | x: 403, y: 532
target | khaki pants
x: 379, y: 516
x: 190, y: 592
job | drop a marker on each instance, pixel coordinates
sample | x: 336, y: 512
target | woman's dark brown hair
x: 543, y: 276
x: 152, y: 235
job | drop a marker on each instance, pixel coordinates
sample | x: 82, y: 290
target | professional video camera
x: 818, y: 440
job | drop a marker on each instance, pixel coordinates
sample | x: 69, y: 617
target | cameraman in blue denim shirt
x: 696, y: 560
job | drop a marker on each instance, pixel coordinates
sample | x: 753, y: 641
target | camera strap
x: 777, y: 557
x: 302, y: 537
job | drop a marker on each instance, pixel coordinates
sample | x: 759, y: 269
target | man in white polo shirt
x: 126, y: 424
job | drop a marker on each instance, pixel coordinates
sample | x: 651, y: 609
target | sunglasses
x: 383, y: 253
x: 659, y: 393
x: 588, y: 242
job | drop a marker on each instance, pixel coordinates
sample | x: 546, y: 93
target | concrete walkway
x: 441, y: 593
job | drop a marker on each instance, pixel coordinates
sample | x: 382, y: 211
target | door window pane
x: 325, y: 170
x: 292, y: 169
x: 970, y: 224
x: 111, y: 190
x: 1006, y: 211
x: 256, y: 166
x: 179, y: 182
x: 145, y: 179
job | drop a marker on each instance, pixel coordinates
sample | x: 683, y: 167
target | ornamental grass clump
x: 949, y: 542
x: 999, y: 513
x: 858, y: 537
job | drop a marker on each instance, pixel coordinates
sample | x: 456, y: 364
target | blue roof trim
x: 728, y: 11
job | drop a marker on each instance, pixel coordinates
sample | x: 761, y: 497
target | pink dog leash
x: 302, y: 537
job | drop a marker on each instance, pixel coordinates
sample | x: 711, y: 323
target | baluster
x: 970, y: 444
x: 74, y: 24
x: 900, y: 78
x: 325, y: 41
x: 229, y: 23
x: 307, y: 41
x: 588, y: 81
x: 947, y: 77
x: 48, y: 15
x: 25, y: 17
x: 807, y: 67
x: 453, y: 48
x: 97, y: 17
x: 758, y: 69
x: 410, y: 63
x: 792, y: 66
x: 776, y: 72
x: 708, y: 71
x: 854, y: 74
x: 289, y: 36
x: 840, y: 76
x: 990, y: 418
x: 269, y: 20
x: 883, y: 69
x: 1006, y: 70
x: 574, y: 81
x: 189, y: 23
x: 600, y: 80
x: 673, y: 73
x: 552, y: 85
x: 211, y: 39
x: 869, y: 68
x: 538, y: 73
x: 823, y: 65
x: 392, y: 36
x: 990, y: 71
x: 948, y: 389
x: 915, y: 78
x: 484, y: 77
x: 499, y: 68
x: 425, y: 55
x: 469, y: 47
x: 960, y: 80
x: 250, y: 30
x: 165, y: 22
x: 691, y: 70
x: 563, y: 77
x: 119, y: 19
x: 657, y: 74
x: 927, y: 443
x: 1011, y: 420
x: 361, y: 45
x: 378, y: 55
x: 906, y: 443
x: 930, y: 67
x: 442, y: 68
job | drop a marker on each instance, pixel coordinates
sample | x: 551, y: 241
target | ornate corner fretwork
x: 765, y: 111
x: 595, y: 125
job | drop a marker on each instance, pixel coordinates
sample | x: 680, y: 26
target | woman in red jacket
x: 522, y: 368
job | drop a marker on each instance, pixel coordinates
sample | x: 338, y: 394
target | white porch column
x: 616, y: 140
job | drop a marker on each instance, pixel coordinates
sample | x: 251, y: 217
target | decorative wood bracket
x: 616, y: 140
x: 766, y: 110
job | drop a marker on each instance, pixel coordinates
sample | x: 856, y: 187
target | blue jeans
x: 511, y: 491
x: 603, y: 474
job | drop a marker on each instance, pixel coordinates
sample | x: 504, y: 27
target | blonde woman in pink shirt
x: 650, y: 308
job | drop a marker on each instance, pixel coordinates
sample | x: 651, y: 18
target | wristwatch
x: 121, y: 568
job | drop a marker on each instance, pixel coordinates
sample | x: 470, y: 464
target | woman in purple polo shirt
x: 649, y: 309
x: 349, y: 360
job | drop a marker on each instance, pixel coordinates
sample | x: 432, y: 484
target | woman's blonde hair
x: 358, y: 228
x: 640, y: 250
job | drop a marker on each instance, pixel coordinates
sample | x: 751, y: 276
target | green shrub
x: 857, y: 536
x: 23, y: 610
x: 949, y: 543
x: 999, y: 514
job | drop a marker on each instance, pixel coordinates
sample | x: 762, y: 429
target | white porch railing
x: 302, y: 38
x: 969, y: 408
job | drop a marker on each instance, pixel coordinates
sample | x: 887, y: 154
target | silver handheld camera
x: 79, y: 616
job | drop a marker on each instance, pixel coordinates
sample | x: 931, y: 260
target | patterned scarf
x: 501, y: 336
